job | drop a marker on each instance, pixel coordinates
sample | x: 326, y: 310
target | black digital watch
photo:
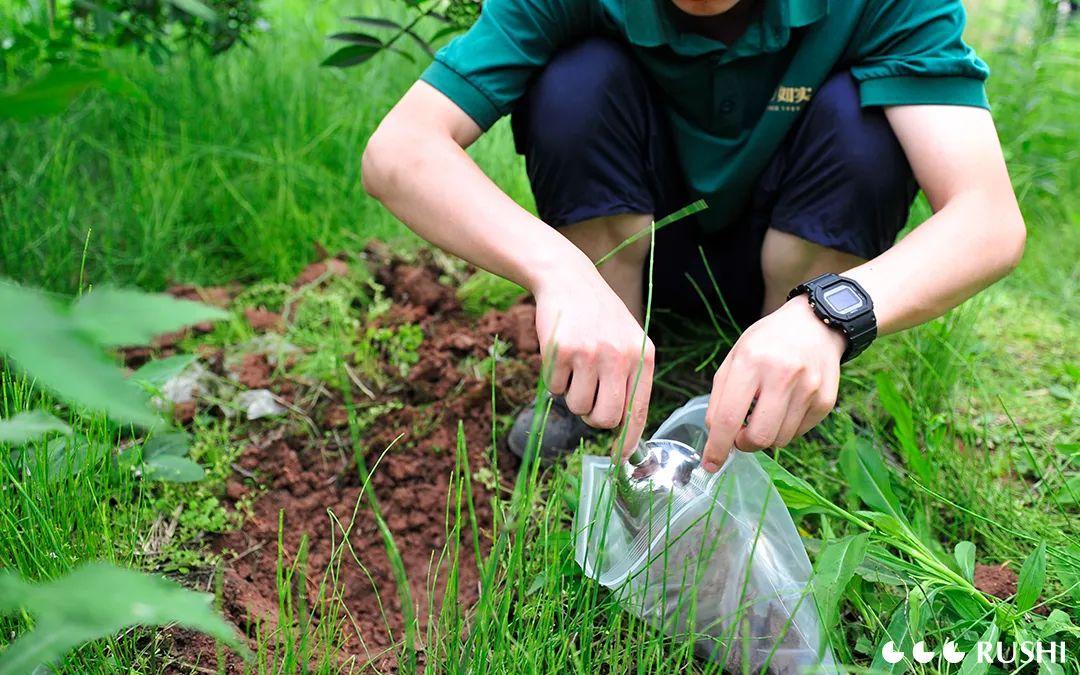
x: 842, y: 304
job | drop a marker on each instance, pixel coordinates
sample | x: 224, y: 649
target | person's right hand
x: 592, y: 347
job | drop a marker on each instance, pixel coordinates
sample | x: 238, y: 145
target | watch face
x: 842, y: 299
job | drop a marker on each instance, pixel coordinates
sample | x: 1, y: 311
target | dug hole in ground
x: 304, y: 486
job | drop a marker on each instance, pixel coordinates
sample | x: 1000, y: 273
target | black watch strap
x: 860, y: 328
x: 860, y: 332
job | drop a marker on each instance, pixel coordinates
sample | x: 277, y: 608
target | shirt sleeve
x: 911, y: 52
x: 485, y: 71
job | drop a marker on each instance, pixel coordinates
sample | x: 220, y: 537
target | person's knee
x: 577, y: 91
x: 788, y: 260
x: 597, y: 237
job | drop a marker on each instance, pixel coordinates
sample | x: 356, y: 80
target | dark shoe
x: 561, y: 434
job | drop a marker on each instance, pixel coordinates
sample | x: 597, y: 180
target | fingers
x: 821, y: 404
x: 638, y: 394
x: 799, y: 404
x: 763, y: 428
x: 607, y: 412
x: 559, y: 378
x: 733, y: 392
x: 789, y: 428
x: 581, y: 394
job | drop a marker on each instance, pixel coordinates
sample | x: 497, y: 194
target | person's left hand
x: 784, y: 371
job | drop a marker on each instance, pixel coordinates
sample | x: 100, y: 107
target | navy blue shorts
x: 597, y: 143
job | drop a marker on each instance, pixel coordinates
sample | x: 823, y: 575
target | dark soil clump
x: 409, y: 438
x: 996, y: 580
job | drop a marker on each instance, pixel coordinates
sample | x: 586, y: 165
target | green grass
x: 227, y: 168
x: 233, y: 168
x: 54, y: 520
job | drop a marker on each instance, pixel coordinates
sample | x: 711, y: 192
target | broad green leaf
x: 61, y: 457
x: 98, y: 600
x: 1047, y: 667
x: 867, y: 474
x: 896, y: 406
x: 1058, y: 622
x: 877, y: 567
x: 971, y: 665
x: 899, y: 567
x: 1069, y: 492
x: 50, y: 94
x: 29, y: 426
x: 797, y: 494
x: 68, y: 455
x: 1032, y: 578
x: 46, y: 344
x: 833, y: 570
x: 358, y: 39
x: 903, y: 426
x: 176, y: 443
x: 195, y: 8
x: 965, y: 559
x: 886, y: 524
x: 121, y: 317
x: 351, y: 56
x: 53, y: 92
x: 376, y: 22
x: 173, y: 469
x: 159, y: 371
x: 963, y: 602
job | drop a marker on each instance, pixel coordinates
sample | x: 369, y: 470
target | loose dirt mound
x: 1001, y: 582
x: 302, y: 478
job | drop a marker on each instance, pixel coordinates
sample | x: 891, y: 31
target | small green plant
x: 400, y: 347
x: 396, y: 347
x: 483, y: 291
x: 94, y: 601
x: 62, y: 348
x: 453, y: 16
x: 483, y: 367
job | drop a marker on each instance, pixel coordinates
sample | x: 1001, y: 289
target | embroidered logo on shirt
x: 790, y: 99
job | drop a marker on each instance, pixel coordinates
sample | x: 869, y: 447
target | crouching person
x: 807, y: 126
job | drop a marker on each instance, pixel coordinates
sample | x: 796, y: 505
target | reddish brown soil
x: 302, y: 477
x: 262, y: 319
x: 1000, y: 582
x: 324, y: 268
x: 253, y: 371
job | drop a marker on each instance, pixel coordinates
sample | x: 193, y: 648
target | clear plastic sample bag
x: 710, y: 557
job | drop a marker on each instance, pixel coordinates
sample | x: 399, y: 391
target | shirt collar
x: 648, y: 25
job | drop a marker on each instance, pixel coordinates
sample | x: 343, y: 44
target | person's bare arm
x: 977, y: 233
x: 789, y: 361
x: 415, y: 164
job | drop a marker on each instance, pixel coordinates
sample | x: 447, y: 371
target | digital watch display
x: 842, y: 304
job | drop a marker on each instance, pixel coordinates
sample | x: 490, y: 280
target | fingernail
x: 711, y: 467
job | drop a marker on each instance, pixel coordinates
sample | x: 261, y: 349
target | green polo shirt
x: 730, y: 106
